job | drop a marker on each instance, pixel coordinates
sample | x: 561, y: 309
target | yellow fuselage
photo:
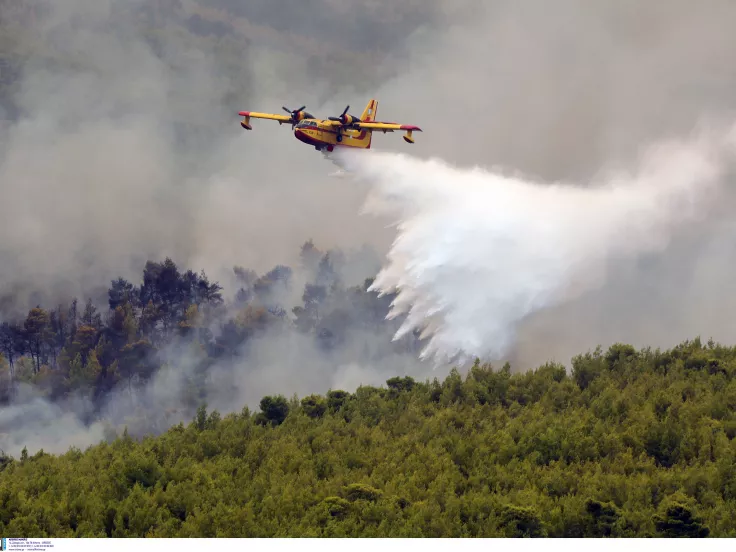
x: 323, y: 135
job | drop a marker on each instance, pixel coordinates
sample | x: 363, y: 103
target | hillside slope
x: 631, y: 443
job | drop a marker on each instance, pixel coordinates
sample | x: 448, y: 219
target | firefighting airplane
x: 345, y: 130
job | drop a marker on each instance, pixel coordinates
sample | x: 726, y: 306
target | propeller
x: 294, y: 114
x: 344, y: 118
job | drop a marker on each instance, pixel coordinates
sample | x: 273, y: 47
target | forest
x: 629, y: 443
x: 77, y: 354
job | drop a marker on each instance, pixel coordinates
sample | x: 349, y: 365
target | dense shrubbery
x: 630, y: 443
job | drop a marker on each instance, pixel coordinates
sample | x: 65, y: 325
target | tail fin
x: 369, y: 113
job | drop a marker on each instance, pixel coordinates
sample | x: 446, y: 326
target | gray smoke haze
x: 128, y: 148
x: 122, y: 144
x: 282, y: 362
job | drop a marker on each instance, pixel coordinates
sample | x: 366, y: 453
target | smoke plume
x: 477, y: 252
x: 124, y: 143
x: 121, y: 145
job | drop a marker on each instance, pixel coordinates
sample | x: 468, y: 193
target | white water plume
x: 477, y: 251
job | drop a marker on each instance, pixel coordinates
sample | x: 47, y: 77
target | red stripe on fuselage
x: 304, y: 137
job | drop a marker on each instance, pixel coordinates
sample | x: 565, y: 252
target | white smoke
x: 477, y: 251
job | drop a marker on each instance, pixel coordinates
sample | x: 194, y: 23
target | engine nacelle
x: 345, y: 119
x: 301, y: 115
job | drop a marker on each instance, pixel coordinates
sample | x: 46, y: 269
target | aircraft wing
x: 273, y: 116
x: 375, y: 125
x: 387, y: 127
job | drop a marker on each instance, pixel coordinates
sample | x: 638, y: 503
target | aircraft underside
x: 319, y: 145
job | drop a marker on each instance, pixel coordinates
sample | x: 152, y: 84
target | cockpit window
x: 303, y: 124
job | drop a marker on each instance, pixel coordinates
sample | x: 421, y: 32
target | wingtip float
x: 325, y: 135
